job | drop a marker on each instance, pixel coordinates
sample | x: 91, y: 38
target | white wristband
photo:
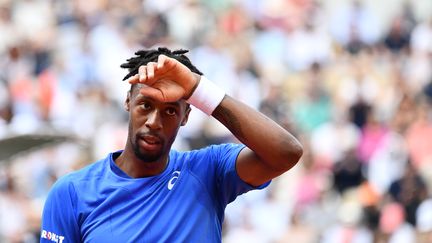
x: 207, y: 96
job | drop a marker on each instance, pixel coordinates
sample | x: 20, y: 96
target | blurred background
x: 351, y: 79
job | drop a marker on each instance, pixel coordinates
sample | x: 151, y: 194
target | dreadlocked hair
x: 145, y: 56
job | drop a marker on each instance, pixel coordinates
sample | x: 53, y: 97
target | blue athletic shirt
x: 185, y: 203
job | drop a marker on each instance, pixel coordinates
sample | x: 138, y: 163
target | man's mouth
x: 150, y: 142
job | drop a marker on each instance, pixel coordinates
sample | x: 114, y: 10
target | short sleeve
x: 59, y: 221
x: 229, y: 184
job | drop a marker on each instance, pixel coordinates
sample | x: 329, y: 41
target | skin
x: 153, y: 121
x: 270, y: 150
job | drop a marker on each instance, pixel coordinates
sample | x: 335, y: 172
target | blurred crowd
x: 354, y: 86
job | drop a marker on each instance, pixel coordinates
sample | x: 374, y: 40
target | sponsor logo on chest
x: 173, y: 179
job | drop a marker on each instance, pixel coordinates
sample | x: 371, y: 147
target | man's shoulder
x: 210, y: 148
x: 206, y: 154
x: 222, y: 149
x: 87, y: 172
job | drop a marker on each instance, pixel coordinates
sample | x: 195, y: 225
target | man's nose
x: 154, y: 120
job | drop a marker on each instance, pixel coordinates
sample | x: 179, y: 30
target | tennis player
x: 148, y: 192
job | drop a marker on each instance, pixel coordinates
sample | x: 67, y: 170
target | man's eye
x: 171, y: 111
x: 146, y: 106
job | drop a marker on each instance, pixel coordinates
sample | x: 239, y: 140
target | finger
x: 153, y: 93
x: 150, y: 70
x: 142, y: 71
x: 161, y: 61
x: 133, y: 80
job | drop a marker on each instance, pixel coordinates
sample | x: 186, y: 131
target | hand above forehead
x: 166, y: 80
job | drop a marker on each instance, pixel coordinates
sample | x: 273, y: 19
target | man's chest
x: 175, y: 207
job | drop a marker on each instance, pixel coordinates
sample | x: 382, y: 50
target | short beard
x: 145, y: 157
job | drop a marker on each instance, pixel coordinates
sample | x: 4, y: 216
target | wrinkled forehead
x: 135, y: 94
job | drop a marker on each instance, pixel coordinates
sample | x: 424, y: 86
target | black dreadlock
x: 145, y: 56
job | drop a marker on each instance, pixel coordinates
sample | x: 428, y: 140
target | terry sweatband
x: 207, y: 96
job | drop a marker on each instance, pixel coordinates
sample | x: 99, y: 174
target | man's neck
x: 136, y: 168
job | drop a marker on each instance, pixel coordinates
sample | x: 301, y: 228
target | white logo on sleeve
x: 52, y: 236
x: 173, y: 180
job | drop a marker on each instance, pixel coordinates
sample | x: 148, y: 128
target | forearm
x: 273, y: 145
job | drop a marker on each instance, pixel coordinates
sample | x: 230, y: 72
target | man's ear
x: 126, y: 104
x: 186, y: 117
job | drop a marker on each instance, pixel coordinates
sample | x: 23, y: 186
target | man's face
x: 153, y: 125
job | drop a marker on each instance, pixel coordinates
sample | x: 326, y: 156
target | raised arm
x: 271, y: 150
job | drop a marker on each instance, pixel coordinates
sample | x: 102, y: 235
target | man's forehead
x: 136, y: 95
x: 136, y: 87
